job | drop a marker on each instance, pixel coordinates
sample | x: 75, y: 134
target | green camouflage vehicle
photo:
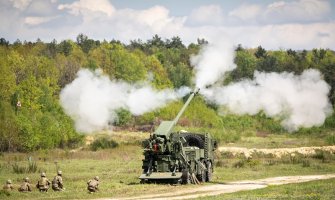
x: 178, y: 157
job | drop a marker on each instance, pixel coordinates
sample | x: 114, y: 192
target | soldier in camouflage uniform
x: 57, y: 182
x: 25, y: 187
x: 8, y: 186
x: 93, y: 185
x: 43, y: 184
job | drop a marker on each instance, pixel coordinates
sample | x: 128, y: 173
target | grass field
x: 313, y: 190
x: 120, y: 167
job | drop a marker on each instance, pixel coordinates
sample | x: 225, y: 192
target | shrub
x: 330, y: 139
x: 17, y: 169
x: 103, y: 143
x: 253, y: 162
x: 221, y: 163
x: 227, y: 154
x: 123, y: 117
x: 4, y: 193
x: 271, y: 162
x: 306, y: 163
x: 226, y: 136
x: 240, y: 164
x: 323, y: 155
x: 31, y: 168
x: 246, y: 162
x: 294, y: 158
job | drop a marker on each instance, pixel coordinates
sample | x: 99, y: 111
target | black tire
x: 195, y: 140
x: 186, y: 177
x: 209, y: 172
x: 144, y: 181
x: 203, y: 176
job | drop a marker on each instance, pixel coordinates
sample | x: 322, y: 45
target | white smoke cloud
x: 213, y: 61
x: 92, y: 99
x: 297, y: 101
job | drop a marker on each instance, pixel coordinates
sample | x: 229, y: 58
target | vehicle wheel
x: 209, y: 172
x: 143, y: 181
x: 195, y: 140
x: 203, y: 176
x: 186, y: 177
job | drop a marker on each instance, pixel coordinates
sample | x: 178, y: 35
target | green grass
x: 120, y: 167
x: 313, y: 190
x: 259, y: 139
x: 277, y: 141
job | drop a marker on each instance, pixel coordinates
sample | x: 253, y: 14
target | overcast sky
x: 297, y: 24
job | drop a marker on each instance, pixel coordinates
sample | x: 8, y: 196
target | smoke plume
x: 92, y: 99
x: 213, y: 61
x: 297, y: 101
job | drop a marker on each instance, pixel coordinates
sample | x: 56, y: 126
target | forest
x: 33, y: 74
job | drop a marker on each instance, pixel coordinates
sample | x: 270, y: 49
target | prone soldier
x: 25, y: 187
x: 93, y: 185
x: 8, y: 186
x: 57, y: 182
x: 43, y: 184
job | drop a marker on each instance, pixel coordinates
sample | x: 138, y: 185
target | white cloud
x: 41, y: 8
x: 20, y: 4
x: 297, y: 36
x: 302, y: 10
x: 206, y: 15
x: 102, y: 21
x: 156, y: 19
x: 283, y: 12
x: 86, y: 7
x: 33, y: 21
x: 246, y: 12
x: 127, y: 24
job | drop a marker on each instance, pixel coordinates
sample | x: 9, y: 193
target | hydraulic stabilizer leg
x: 149, y: 167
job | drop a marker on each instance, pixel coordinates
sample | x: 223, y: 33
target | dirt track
x: 216, y: 189
x: 278, y: 152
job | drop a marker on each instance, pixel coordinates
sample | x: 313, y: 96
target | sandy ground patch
x: 278, y: 153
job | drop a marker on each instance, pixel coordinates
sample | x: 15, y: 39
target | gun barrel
x: 165, y: 127
x: 182, y: 110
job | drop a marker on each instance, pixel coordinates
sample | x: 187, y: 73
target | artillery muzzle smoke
x: 297, y: 101
x: 92, y: 99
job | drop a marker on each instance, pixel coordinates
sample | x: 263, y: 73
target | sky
x: 296, y: 24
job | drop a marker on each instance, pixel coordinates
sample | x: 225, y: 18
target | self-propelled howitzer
x: 178, y: 156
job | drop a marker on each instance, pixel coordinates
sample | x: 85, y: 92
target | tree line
x: 33, y: 74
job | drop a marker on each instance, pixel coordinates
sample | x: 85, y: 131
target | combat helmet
x: 9, y: 182
x: 43, y: 174
x: 59, y: 172
x: 96, y: 178
x: 26, y: 179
